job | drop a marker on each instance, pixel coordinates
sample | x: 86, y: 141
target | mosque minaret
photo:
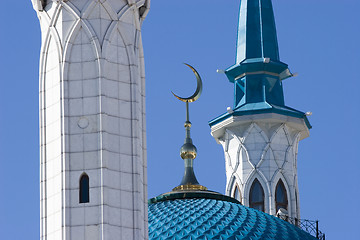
x: 260, y: 134
x: 93, y: 169
x: 92, y: 120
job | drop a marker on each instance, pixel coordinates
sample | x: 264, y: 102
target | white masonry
x: 92, y: 119
x: 263, y: 147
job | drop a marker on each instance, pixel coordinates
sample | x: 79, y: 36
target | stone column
x: 92, y: 119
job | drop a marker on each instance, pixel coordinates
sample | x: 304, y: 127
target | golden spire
x: 188, y: 150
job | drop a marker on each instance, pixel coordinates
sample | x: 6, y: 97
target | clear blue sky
x: 318, y: 39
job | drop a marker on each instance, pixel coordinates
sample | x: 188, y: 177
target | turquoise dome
x: 215, y: 218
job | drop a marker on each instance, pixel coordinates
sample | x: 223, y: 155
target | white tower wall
x: 92, y: 119
x: 262, y: 147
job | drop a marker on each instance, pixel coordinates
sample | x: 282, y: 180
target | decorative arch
x: 84, y: 187
x: 287, y: 183
x: 253, y: 135
x: 233, y: 180
x: 237, y: 193
x: 257, y: 196
x: 295, y: 146
x: 278, y: 146
x: 281, y: 196
x: 234, y: 162
x: 265, y: 182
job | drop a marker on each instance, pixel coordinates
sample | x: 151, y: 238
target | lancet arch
x: 281, y: 196
x: 257, y: 196
x: 237, y: 193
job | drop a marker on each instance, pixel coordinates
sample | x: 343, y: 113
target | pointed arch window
x: 257, y: 196
x: 237, y: 194
x: 84, y: 196
x: 281, y: 196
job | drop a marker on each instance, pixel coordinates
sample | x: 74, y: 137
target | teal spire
x: 257, y: 31
x: 258, y: 72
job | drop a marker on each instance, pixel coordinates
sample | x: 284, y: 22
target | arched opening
x: 281, y: 196
x: 237, y: 194
x: 257, y: 196
x: 84, y: 196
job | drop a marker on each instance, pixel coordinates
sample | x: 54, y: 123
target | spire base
x: 189, y: 187
x: 258, y: 66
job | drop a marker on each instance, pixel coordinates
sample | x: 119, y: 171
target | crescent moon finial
x: 188, y: 151
x: 198, y: 90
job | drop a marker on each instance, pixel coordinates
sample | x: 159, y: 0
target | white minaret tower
x: 92, y: 120
x: 260, y: 135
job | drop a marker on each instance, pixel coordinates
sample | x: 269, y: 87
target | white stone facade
x: 263, y: 147
x: 92, y: 119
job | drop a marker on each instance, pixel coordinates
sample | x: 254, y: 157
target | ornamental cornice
x: 218, y: 130
x: 39, y: 5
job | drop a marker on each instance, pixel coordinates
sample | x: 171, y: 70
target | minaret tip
x: 188, y: 150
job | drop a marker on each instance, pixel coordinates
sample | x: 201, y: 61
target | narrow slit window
x: 84, y: 196
x: 281, y: 196
x: 257, y: 196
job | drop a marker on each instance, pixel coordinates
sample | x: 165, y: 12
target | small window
x: 84, y: 196
x: 237, y: 194
x: 257, y: 196
x: 281, y: 196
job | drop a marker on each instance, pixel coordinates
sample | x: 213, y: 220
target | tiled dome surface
x: 216, y: 219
